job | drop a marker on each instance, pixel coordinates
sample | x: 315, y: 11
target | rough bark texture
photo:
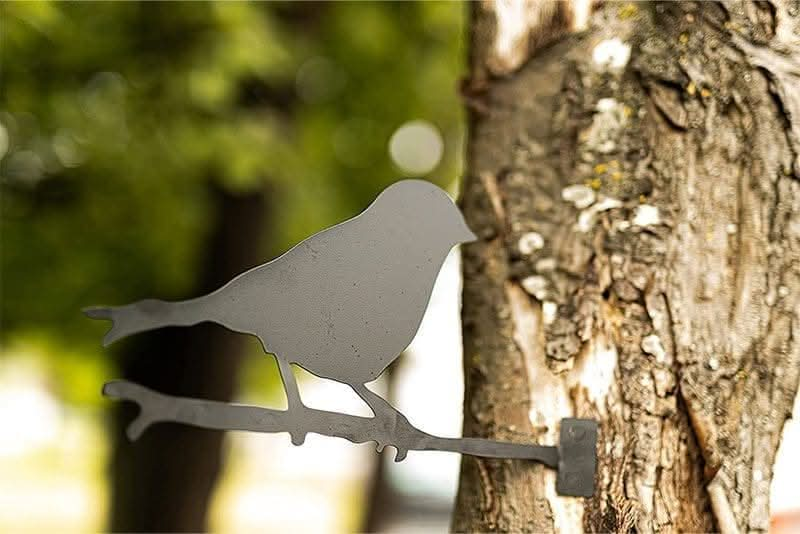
x: 638, y: 203
x: 163, y: 482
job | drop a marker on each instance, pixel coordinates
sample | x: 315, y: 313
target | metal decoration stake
x: 343, y: 304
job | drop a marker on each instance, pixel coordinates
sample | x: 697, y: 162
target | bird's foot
x: 299, y: 418
x: 393, y: 430
x: 400, y: 452
x: 298, y: 437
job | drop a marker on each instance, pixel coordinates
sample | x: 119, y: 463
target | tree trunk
x: 635, y: 187
x: 164, y: 481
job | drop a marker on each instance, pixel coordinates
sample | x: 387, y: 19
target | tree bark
x: 163, y: 482
x: 635, y: 187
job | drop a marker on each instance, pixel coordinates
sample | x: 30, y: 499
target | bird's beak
x: 468, y: 236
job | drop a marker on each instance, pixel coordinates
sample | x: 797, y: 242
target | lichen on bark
x: 665, y: 301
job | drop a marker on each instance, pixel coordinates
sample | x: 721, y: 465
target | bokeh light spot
x: 416, y: 147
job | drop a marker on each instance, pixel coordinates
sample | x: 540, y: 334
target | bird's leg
x: 392, y: 421
x: 294, y: 403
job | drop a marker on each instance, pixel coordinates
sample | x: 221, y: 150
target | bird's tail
x: 140, y: 316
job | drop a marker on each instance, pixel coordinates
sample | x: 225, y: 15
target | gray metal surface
x: 577, y: 457
x: 574, y: 457
x: 343, y: 304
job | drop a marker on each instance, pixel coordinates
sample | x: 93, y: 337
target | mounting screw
x: 577, y: 433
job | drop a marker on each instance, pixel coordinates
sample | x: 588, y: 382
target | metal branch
x: 397, y: 432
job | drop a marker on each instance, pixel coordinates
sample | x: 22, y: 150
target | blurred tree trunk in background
x: 380, y: 498
x: 164, y: 481
x: 382, y: 501
x: 635, y: 187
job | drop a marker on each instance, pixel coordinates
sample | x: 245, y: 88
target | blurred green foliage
x: 114, y: 117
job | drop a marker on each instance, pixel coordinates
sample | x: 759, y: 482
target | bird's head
x: 428, y: 208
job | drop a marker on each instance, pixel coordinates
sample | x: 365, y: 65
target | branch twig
x: 396, y: 432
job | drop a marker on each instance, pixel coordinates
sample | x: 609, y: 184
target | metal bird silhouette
x: 343, y: 304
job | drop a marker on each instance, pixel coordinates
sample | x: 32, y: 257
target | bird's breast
x: 353, y: 323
